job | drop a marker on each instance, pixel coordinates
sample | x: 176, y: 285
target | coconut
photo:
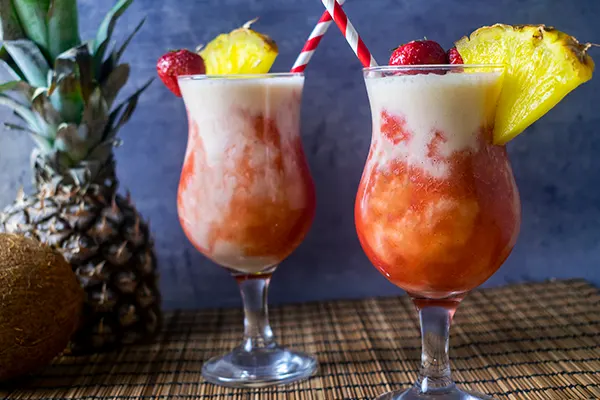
x: 40, y: 304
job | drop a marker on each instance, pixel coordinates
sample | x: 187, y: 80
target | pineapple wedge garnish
x: 542, y: 66
x: 241, y: 51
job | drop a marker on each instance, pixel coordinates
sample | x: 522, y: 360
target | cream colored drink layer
x: 457, y: 104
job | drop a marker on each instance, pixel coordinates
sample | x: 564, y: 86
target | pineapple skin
x: 109, y: 246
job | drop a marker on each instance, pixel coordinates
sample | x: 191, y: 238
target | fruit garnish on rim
x: 241, y: 51
x: 176, y: 63
x: 543, y: 65
x: 419, y: 52
x: 454, y: 56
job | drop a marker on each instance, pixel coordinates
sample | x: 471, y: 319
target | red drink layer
x: 437, y: 210
x: 246, y: 198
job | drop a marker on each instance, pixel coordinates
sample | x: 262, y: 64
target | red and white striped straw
x: 313, y: 41
x: 341, y: 20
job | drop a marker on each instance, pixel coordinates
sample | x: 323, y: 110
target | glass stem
x: 257, y: 331
x: 435, y: 318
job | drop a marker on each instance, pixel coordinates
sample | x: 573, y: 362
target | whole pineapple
x: 63, y: 91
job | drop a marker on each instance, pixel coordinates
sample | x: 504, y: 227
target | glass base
x: 416, y: 394
x: 260, y: 367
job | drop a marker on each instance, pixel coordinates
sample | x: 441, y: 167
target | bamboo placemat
x: 527, y: 341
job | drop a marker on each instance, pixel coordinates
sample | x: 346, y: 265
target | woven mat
x: 528, y: 341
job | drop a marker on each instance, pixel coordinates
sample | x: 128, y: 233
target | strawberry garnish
x: 454, y: 56
x: 176, y: 63
x: 419, y: 52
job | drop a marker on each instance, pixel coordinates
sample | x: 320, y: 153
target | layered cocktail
x: 437, y: 210
x: 246, y: 198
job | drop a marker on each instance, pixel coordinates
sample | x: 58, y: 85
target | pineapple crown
x: 63, y: 90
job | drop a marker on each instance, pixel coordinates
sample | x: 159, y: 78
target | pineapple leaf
x: 114, y: 83
x: 121, y: 118
x: 38, y: 92
x: 42, y: 105
x: 101, y: 152
x: 63, y: 26
x: 69, y: 142
x: 72, y: 82
x: 128, y: 40
x: 68, y: 100
x: 16, y: 127
x: 20, y: 87
x: 76, y: 62
x: 107, y: 66
x: 9, y: 24
x: 8, y: 66
x: 113, y: 59
x: 106, y: 29
x: 52, y: 166
x: 8, y: 86
x: 22, y: 111
x: 32, y: 14
x: 82, y: 175
x: 95, y: 117
x: 7, y: 73
x: 33, y: 159
x: 41, y: 142
x: 29, y: 59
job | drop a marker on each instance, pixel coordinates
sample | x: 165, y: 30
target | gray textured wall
x: 556, y: 162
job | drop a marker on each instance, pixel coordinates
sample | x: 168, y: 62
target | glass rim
x: 429, y: 67
x: 213, y: 77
